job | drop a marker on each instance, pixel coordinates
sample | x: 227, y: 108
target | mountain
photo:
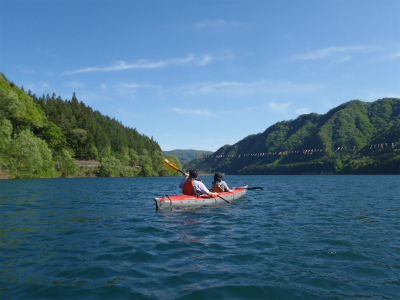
x: 45, y: 136
x: 354, y: 138
x: 185, y: 156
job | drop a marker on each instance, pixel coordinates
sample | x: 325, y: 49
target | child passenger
x: 219, y: 185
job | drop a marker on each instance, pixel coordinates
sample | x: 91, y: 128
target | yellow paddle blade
x: 170, y: 165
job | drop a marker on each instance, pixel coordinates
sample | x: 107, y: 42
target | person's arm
x: 212, y: 194
x: 184, y: 180
x: 204, y: 190
x: 226, y: 189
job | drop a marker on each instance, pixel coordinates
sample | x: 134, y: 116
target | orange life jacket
x: 188, y: 187
x: 216, y: 188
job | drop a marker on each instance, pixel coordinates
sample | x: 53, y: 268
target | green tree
x: 147, y: 171
x: 82, y: 142
x: 5, y: 135
x: 66, y: 164
x: 53, y: 135
x: 133, y: 158
x: 20, y: 109
x: 30, y: 156
x: 110, y: 166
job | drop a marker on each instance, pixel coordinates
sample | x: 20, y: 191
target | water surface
x: 302, y: 237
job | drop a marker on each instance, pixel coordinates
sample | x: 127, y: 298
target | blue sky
x: 200, y: 74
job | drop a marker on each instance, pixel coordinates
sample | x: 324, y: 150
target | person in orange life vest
x: 191, y: 185
x: 219, y: 185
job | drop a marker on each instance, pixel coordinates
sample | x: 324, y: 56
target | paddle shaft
x: 224, y: 199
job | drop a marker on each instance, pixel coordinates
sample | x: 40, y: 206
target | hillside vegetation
x: 45, y: 136
x: 185, y: 156
x: 354, y: 138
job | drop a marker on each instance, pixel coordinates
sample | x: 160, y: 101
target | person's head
x: 218, y: 177
x: 193, y: 173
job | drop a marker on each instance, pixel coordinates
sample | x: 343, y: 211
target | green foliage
x: 110, y: 167
x: 20, y: 109
x: 353, y: 126
x: 186, y: 155
x: 33, y: 128
x: 30, y: 156
x: 53, y: 136
x: 66, y: 164
x: 5, y: 134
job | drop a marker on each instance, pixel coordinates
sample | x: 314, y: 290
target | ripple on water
x: 311, y: 237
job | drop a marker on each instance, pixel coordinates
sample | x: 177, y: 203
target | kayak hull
x: 186, y: 201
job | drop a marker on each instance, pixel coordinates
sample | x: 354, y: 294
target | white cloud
x: 75, y: 84
x: 39, y: 88
x: 375, y: 95
x: 327, y: 52
x: 395, y: 55
x: 128, y: 113
x: 386, y: 57
x: 329, y: 104
x: 216, y: 24
x: 302, y: 111
x: 128, y: 91
x: 279, y: 107
x: 205, y: 60
x: 198, y: 112
x: 343, y: 59
x: 27, y: 71
x: 134, y: 85
x: 191, y: 59
x: 247, y: 88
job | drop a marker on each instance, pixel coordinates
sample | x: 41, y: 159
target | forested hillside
x: 44, y: 136
x: 185, y: 156
x: 354, y: 138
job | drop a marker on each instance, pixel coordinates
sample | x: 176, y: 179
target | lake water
x: 302, y: 237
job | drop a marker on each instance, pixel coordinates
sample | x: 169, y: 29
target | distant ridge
x: 354, y: 138
x: 187, y: 155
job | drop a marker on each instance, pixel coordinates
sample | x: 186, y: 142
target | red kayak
x: 169, y: 202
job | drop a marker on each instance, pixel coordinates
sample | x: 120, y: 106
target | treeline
x: 43, y: 136
x: 185, y: 156
x: 354, y: 138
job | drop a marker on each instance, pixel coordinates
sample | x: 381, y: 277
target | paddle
x: 252, y: 188
x: 173, y: 167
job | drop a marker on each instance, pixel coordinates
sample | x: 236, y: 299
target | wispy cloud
x: 191, y: 59
x: 328, y: 52
x: 134, y: 85
x: 343, y: 59
x: 75, y: 85
x: 27, y: 71
x: 279, y: 107
x: 197, y: 112
x: 128, y: 113
x: 128, y: 91
x: 395, y: 55
x: 387, y: 56
x: 247, y: 88
x: 302, y: 111
x: 220, y: 23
